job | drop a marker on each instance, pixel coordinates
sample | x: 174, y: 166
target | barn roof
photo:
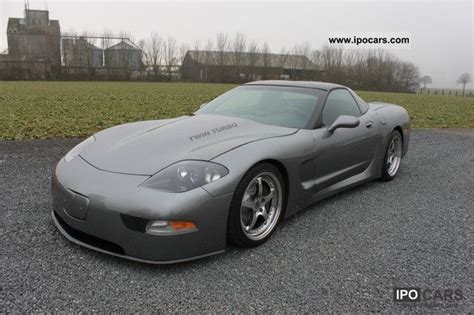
x: 286, y: 61
x: 123, y: 46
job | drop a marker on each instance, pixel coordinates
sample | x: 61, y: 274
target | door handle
x: 369, y: 124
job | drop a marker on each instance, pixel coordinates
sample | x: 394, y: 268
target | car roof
x: 305, y: 84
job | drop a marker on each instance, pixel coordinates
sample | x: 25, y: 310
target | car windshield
x: 279, y: 106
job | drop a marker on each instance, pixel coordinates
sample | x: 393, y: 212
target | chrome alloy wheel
x: 394, y: 155
x: 261, y: 206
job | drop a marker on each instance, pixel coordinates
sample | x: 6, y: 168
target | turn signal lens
x: 161, y: 227
x: 179, y: 225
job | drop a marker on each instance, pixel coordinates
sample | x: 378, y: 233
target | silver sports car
x: 171, y: 190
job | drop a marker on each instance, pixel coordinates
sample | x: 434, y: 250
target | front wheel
x: 256, y: 206
x: 393, y: 156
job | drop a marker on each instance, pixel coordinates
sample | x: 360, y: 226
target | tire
x: 256, y: 207
x: 393, y: 156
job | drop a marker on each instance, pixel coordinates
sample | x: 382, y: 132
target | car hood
x: 144, y: 148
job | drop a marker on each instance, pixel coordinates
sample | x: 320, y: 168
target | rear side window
x: 364, y: 107
x: 339, y: 102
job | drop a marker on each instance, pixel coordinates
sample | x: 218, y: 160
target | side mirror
x: 344, y: 121
x: 202, y: 105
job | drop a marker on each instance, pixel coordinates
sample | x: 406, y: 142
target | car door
x: 346, y: 151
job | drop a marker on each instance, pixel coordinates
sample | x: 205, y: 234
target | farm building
x: 217, y: 66
x: 78, y: 52
x: 34, y: 50
x: 123, y: 55
x: 34, y: 38
x: 38, y: 50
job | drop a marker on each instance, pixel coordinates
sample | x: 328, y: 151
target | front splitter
x: 166, y: 262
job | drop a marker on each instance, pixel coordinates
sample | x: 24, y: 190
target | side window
x: 339, y: 102
x: 364, y: 107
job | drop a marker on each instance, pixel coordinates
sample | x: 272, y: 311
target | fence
x: 442, y: 92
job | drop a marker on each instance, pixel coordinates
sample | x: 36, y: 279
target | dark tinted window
x: 339, y: 102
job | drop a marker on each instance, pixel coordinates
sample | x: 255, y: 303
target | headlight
x: 186, y: 175
x: 78, y: 149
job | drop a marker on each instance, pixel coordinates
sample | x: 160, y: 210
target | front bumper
x: 108, y: 212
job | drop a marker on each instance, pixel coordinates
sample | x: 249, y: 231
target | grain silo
x: 78, y: 52
x: 123, y: 55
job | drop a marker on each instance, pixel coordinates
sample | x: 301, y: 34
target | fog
x: 441, y: 31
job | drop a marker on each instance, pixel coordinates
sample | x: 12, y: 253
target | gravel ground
x: 344, y: 254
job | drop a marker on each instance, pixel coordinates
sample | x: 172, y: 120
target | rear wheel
x: 393, y: 156
x: 256, y: 206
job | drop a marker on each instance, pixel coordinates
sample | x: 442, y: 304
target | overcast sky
x: 441, y: 31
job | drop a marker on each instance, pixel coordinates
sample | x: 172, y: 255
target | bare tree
x: 198, y: 71
x: 88, y: 55
x: 124, y: 34
x: 359, y: 70
x: 170, y: 51
x: 425, y: 80
x: 209, y: 45
x: 253, y: 52
x: 464, y: 79
x: 197, y: 51
x: 300, y: 62
x: 265, y: 59
x: 72, y: 54
x: 105, y: 44
x: 144, y: 60
x: 155, y: 53
x: 293, y: 62
x: 183, y: 49
x: 222, y: 42
x: 125, y: 55
x: 389, y: 64
x: 238, y: 53
x: 332, y: 63
x: 67, y: 48
x: 105, y: 40
x: 92, y: 40
x: 407, y: 76
x: 315, y: 57
x: 283, y: 60
x: 142, y: 44
x: 208, y: 57
x: 222, y: 45
x: 82, y: 50
x: 75, y: 49
x: 350, y: 67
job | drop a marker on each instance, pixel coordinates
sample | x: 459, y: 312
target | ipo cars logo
x: 406, y: 294
x: 427, y: 295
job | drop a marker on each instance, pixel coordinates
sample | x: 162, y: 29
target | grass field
x: 30, y: 110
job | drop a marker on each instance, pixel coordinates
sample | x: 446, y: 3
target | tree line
x: 360, y: 69
x: 376, y: 70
